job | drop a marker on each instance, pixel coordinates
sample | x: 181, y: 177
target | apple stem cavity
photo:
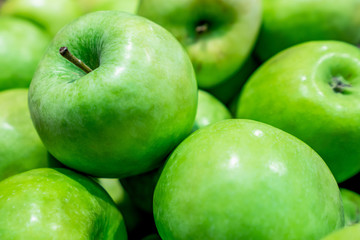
x: 202, y: 27
x: 338, y: 84
x: 64, y: 51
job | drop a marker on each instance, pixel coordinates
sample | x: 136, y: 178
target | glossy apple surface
x: 242, y: 179
x: 312, y: 91
x: 21, y: 148
x: 141, y: 187
x: 351, y: 202
x: 218, y: 35
x: 51, y: 203
x: 49, y: 14
x: 125, y: 116
x: 287, y: 23
x: 22, y: 45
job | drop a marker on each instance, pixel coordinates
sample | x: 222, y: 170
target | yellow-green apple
x: 218, y: 35
x: 311, y: 91
x: 127, y: 109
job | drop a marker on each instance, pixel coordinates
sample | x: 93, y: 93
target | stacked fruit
x: 192, y: 119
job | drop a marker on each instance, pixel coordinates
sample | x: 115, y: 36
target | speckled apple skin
x: 20, y: 146
x: 218, y: 53
x: 292, y: 91
x: 124, y: 117
x: 55, y: 204
x: 241, y: 179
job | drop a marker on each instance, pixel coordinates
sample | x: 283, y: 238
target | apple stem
x: 338, y: 85
x: 64, y: 51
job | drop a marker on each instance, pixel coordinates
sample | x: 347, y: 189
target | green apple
x: 141, y: 187
x: 347, y: 233
x: 351, y: 202
x: 287, y: 23
x: 242, y: 179
x: 312, y: 91
x: 51, y: 203
x: 210, y: 110
x: 129, y: 6
x: 49, y: 14
x: 126, y: 115
x: 21, y: 148
x: 22, y: 45
x: 230, y: 88
x: 218, y: 35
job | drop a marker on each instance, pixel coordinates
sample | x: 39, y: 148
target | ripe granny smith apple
x: 20, y: 146
x: 351, y: 202
x: 218, y: 35
x: 312, y: 91
x: 287, y: 23
x: 22, y: 45
x: 51, y: 203
x: 347, y: 233
x: 49, y: 14
x: 242, y: 179
x: 141, y: 187
x: 122, y: 118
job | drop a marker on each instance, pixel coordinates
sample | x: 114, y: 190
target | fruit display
x: 179, y: 119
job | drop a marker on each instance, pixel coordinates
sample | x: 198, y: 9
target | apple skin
x: 347, y: 233
x: 51, y: 203
x: 242, y: 179
x: 21, y: 148
x: 22, y: 46
x: 287, y: 23
x: 129, y: 6
x: 141, y: 187
x: 210, y: 110
x: 219, y: 51
x: 124, y: 117
x: 351, y: 203
x: 49, y: 14
x: 292, y: 92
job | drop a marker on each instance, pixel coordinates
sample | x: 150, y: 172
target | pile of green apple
x: 169, y: 119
